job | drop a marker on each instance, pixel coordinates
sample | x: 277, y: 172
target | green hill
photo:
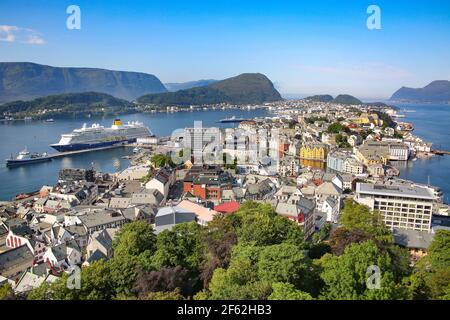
x: 26, y: 81
x: 247, y: 88
x: 320, y: 98
x: 67, y: 105
x: 346, y: 99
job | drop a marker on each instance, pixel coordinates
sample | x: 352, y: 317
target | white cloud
x: 22, y: 35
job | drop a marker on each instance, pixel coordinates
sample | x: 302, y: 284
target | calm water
x: 36, y: 136
x: 431, y: 122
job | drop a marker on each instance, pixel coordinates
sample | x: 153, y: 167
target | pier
x: 440, y: 152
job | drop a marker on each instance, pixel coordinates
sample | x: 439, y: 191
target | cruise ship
x: 98, y: 136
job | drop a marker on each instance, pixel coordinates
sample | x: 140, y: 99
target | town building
x: 405, y: 207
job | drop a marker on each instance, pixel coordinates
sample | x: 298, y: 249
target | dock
x: 440, y: 152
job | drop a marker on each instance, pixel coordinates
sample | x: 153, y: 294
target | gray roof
x: 98, y: 218
x: 16, y: 256
x: 412, y: 238
x: 395, y: 190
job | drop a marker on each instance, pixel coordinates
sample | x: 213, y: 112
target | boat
x: 233, y: 119
x: 136, y: 150
x: 26, y: 157
x: 98, y: 136
x: 50, y: 120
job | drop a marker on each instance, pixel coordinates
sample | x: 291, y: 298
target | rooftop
x: 395, y: 190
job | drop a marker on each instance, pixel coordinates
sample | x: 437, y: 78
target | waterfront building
x: 336, y: 160
x: 352, y: 166
x: 314, y: 151
x: 402, y: 206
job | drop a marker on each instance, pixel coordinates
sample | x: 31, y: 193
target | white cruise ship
x: 98, y: 136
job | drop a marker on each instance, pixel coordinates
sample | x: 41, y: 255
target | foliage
x: 162, y: 160
x: 345, y: 276
x: 431, y: 275
x: 337, y: 128
x: 287, y: 291
x: 6, y: 292
x: 357, y: 216
x: 181, y: 246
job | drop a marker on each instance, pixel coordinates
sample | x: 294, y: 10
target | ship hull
x: 84, y: 146
x: 18, y: 163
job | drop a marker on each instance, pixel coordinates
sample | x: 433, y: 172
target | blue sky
x: 304, y: 47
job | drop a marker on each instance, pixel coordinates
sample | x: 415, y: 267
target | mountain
x: 436, y: 91
x: 68, y: 105
x: 247, y: 88
x: 172, y: 87
x: 25, y: 81
x: 346, y: 99
x: 320, y: 98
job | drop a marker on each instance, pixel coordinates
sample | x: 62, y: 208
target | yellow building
x: 314, y: 151
x: 366, y: 118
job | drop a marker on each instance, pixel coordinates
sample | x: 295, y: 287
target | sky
x: 304, y: 47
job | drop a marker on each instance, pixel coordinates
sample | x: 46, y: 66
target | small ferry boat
x: 26, y: 157
x: 50, y: 120
x: 233, y: 119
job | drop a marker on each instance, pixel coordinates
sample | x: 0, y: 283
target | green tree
x: 133, y: 246
x: 161, y: 160
x: 6, y: 292
x: 358, y: 216
x: 431, y: 274
x: 345, y: 276
x: 261, y: 225
x: 181, y: 246
x: 287, y: 291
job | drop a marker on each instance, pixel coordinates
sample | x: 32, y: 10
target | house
x: 325, y: 190
x: 140, y: 213
x: 169, y: 216
x: 285, y: 192
x: 227, y: 207
x: 204, y: 215
x: 16, y: 261
x: 260, y: 190
x: 162, y: 181
x: 30, y: 281
x: 99, y: 219
x: 63, y: 256
x: 148, y: 197
x: 133, y: 173
x: 119, y: 203
x: 417, y: 242
x: 331, y: 208
x: 301, y: 212
x: 100, y: 245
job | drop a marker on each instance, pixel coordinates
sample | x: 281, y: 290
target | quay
x: 440, y: 152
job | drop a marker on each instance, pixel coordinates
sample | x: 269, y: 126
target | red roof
x: 228, y: 207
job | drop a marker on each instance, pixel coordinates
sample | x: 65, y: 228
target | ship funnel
x: 117, y: 122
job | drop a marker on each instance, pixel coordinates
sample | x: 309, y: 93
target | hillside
x: 346, y: 99
x: 26, y: 81
x: 172, y: 87
x: 67, y: 105
x: 247, y: 88
x: 320, y: 98
x: 437, y: 92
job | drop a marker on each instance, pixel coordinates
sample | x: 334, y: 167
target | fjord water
x: 432, y: 123
x: 36, y: 136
